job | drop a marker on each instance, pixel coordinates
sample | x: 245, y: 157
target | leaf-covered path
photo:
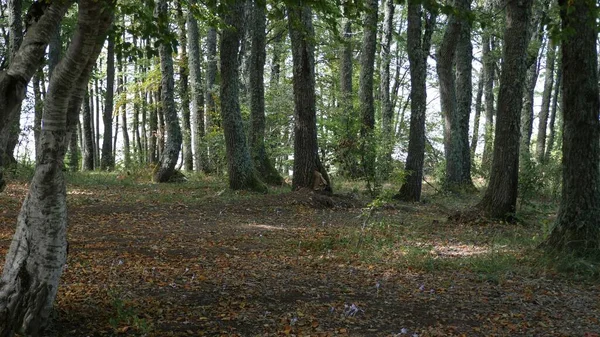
x: 182, y: 260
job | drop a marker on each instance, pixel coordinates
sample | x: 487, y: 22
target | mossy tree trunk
x: 308, y: 170
x: 170, y: 153
x: 37, y: 255
x: 240, y: 168
x: 577, y: 226
x: 258, y: 54
x: 500, y: 198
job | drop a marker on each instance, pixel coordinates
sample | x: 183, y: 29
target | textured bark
x: 454, y: 72
x: 346, y: 149
x: 211, y: 75
x: 365, y: 90
x: 36, y: 258
x: 533, y: 69
x: 418, y: 43
x: 166, y: 166
x: 97, y: 122
x: 306, y: 148
x: 88, y: 136
x: 197, y: 112
x: 577, y: 226
x: 500, y: 197
x: 540, y: 149
x: 107, y: 162
x: 14, y: 80
x: 240, y: 168
x: 123, y: 114
x: 152, y: 130
x: 258, y: 54
x: 184, y: 91
x: 489, y: 67
x: 552, y: 123
x: 387, y: 112
x: 477, y: 118
x: 38, y: 109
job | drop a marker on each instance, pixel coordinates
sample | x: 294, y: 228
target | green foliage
x: 125, y: 316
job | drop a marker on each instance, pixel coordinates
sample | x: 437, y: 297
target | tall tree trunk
x: 153, y: 129
x: 38, y: 109
x: 88, y: 146
x: 240, y: 168
x: 500, y: 198
x: 454, y: 71
x: 540, y: 149
x: 211, y: 76
x: 477, y: 118
x: 489, y: 70
x: 365, y: 91
x: 195, y: 60
x: 24, y: 64
x: 97, y: 123
x: 124, y: 131
x: 387, y: 112
x: 551, y: 125
x: 308, y: 170
x: 418, y: 44
x: 37, y: 255
x: 166, y: 166
x: 184, y: 92
x: 258, y: 54
x: 107, y: 162
x: 577, y: 226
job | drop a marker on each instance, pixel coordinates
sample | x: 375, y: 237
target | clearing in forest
x: 194, y: 259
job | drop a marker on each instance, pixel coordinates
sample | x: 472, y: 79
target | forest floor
x: 195, y: 259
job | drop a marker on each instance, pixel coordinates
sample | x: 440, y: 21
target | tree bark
x: 36, y: 258
x: 540, y: 149
x: 14, y: 80
x: 258, y: 54
x: 489, y: 70
x: 418, y: 44
x: 240, y: 168
x: 365, y: 91
x: 166, y: 166
x: 88, y: 146
x: 551, y: 125
x: 184, y: 91
x: 308, y: 170
x: 197, y: 112
x: 477, y: 118
x: 387, y: 111
x: 211, y: 76
x: 107, y: 162
x: 500, y: 198
x: 577, y: 226
x: 454, y: 71
x: 123, y: 98
x: 38, y: 109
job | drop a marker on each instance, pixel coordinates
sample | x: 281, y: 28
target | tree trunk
x: 153, y: 130
x: 184, y: 92
x: 88, y: 146
x: 26, y: 61
x: 477, y: 118
x: 37, y: 255
x: 38, y: 109
x: 195, y: 60
x: 500, y: 198
x: 365, y: 91
x: 540, y: 148
x: 551, y: 126
x: 124, y: 131
x: 97, y: 124
x: 239, y: 162
x: 454, y: 71
x: 211, y: 75
x: 489, y: 70
x: 258, y: 54
x: 418, y: 44
x: 387, y: 112
x: 577, y: 226
x: 308, y: 170
x: 166, y: 166
x: 107, y: 162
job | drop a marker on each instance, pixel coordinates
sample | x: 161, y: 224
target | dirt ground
x: 150, y: 260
